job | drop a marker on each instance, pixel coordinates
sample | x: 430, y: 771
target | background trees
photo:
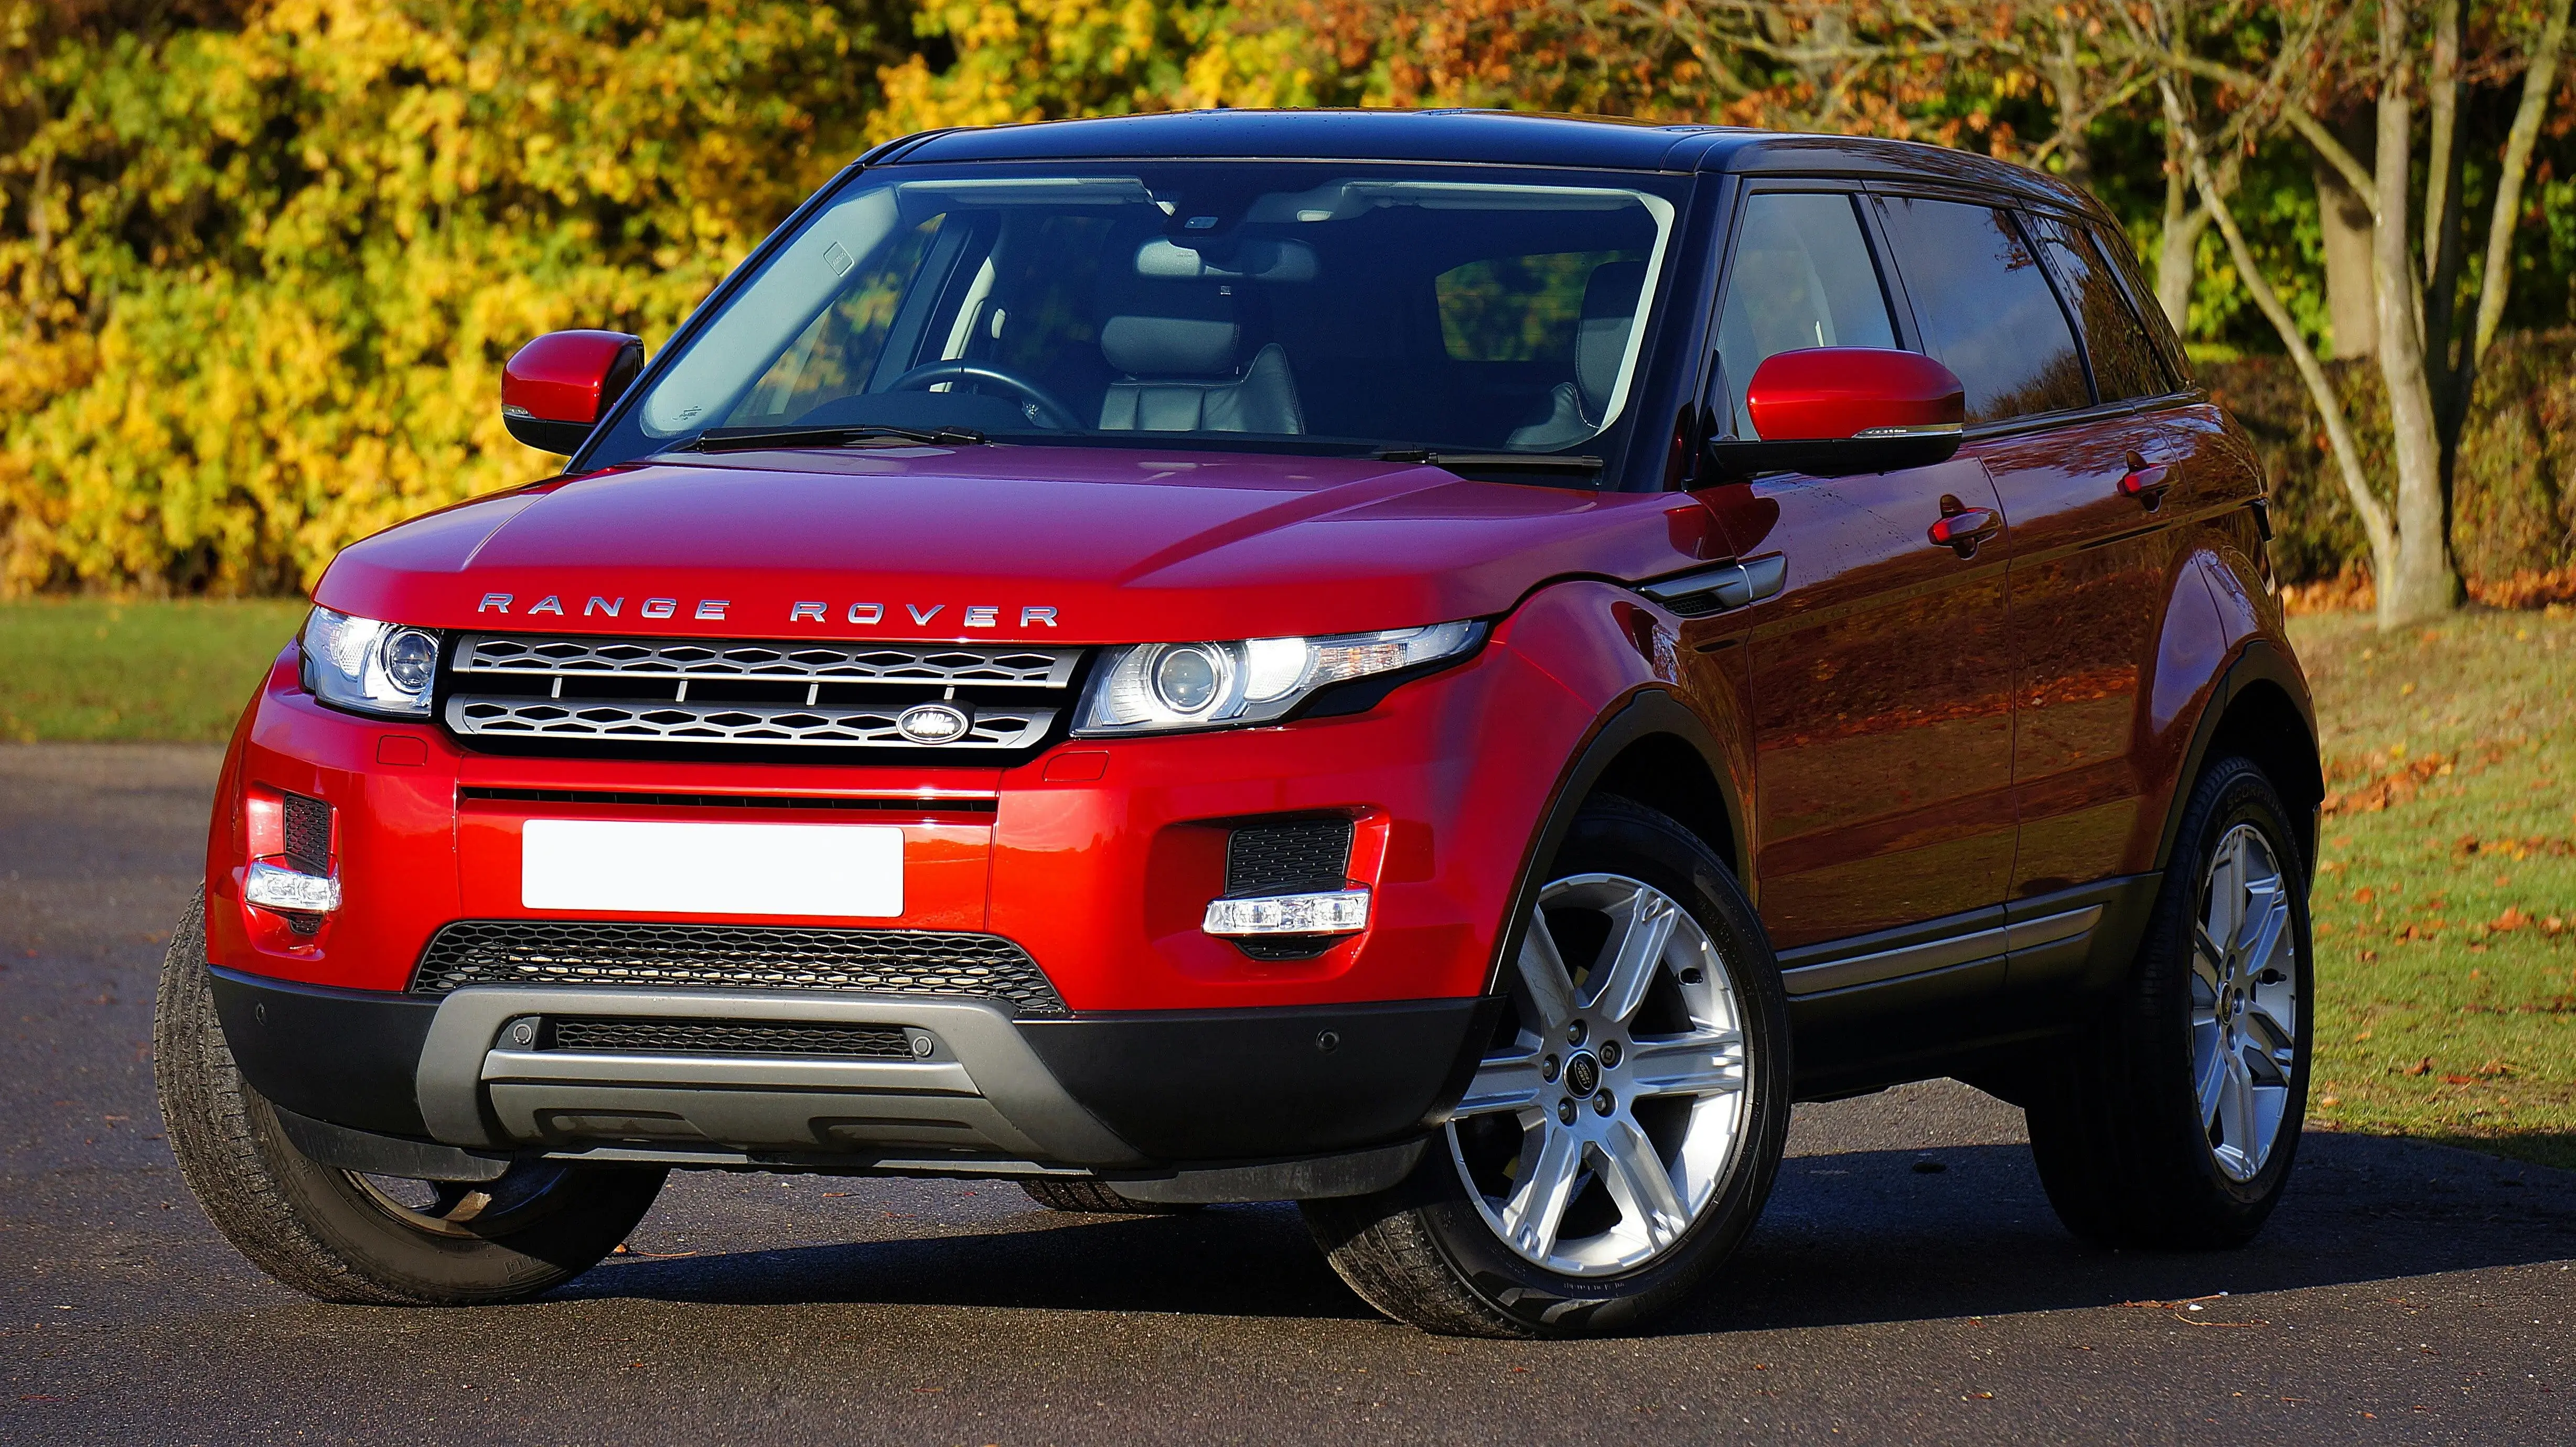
x: 260, y: 259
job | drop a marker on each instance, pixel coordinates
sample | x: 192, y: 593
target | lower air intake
x: 733, y: 957
x: 617, y: 1035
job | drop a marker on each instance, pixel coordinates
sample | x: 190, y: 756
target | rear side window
x: 2115, y: 251
x: 2124, y: 361
x: 1803, y: 277
x: 1986, y: 309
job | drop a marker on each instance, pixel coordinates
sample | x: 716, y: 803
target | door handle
x: 2147, y: 483
x: 1964, y: 529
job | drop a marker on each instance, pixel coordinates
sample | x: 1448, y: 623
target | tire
x: 1097, y: 1198
x: 1660, y: 1122
x: 339, y: 1236
x: 2174, y: 1122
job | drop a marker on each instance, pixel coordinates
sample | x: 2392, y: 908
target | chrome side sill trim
x: 1977, y: 945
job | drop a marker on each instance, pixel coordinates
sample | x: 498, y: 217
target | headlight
x: 1152, y: 687
x: 367, y: 666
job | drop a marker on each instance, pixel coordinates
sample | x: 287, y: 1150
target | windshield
x: 1294, y: 306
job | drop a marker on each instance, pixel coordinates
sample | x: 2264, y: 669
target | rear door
x: 2062, y: 384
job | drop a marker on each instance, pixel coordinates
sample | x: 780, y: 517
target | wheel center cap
x: 1582, y: 1073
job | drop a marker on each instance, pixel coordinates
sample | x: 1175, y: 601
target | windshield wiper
x: 738, y: 439
x: 1493, y: 461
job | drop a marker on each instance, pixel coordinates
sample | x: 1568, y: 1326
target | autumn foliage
x: 261, y: 260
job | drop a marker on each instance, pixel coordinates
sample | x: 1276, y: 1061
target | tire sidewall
x: 1615, y: 837
x: 2233, y: 792
x: 307, y: 1223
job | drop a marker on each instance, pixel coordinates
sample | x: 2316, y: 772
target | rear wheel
x: 2176, y: 1122
x: 345, y: 1236
x: 1622, y: 1133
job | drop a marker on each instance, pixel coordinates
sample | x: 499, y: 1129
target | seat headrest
x: 1601, y: 339
x: 1154, y: 346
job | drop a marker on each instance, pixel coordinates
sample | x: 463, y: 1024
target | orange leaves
x: 2517, y: 850
x: 2396, y: 786
x: 2528, y: 589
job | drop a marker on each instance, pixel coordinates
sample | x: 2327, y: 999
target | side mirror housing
x: 1836, y: 411
x: 554, y: 389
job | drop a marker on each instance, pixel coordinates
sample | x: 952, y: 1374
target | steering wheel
x: 1049, y: 411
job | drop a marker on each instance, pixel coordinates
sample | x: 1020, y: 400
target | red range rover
x: 1443, y: 667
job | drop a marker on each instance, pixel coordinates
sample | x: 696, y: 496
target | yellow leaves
x: 285, y: 263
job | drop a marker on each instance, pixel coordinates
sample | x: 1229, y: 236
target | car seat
x: 1577, y: 409
x: 1173, y: 346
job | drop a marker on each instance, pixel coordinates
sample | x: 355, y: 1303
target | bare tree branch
x: 2375, y: 520
x: 2538, y: 83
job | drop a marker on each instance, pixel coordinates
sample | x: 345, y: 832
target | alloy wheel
x: 1596, y: 1136
x: 2244, y: 1002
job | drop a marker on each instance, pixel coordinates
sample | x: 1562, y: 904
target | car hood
x: 1052, y: 544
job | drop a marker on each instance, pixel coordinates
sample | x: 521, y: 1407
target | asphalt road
x: 1907, y: 1285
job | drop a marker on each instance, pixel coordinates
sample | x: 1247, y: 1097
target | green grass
x: 2446, y: 999
x: 2445, y: 901
x: 92, y: 669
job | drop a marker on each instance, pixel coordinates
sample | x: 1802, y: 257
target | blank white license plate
x: 852, y: 870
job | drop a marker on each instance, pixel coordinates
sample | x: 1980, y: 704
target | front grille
x: 636, y: 1036
x: 1285, y: 858
x: 732, y: 957
x: 731, y: 694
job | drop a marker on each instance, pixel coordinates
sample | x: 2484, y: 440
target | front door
x: 1880, y: 670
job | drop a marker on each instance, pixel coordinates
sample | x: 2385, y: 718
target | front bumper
x: 982, y: 1094
x: 1098, y: 859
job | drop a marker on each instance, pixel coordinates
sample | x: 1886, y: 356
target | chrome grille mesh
x: 732, y: 957
x: 729, y: 693
x: 732, y: 723
x: 679, y: 658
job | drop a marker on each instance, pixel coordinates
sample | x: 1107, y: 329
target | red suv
x: 1443, y: 667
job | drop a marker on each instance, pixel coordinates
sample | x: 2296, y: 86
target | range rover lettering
x: 1443, y: 667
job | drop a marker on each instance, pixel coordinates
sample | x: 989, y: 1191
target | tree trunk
x: 2178, y: 250
x: 2422, y: 586
x: 2343, y: 217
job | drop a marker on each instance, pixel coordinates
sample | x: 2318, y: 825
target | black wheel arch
x: 2261, y: 710
x: 1652, y: 750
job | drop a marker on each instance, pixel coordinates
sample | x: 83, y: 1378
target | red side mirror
x: 1834, y: 411
x: 555, y: 388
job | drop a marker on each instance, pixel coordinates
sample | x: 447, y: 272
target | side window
x: 2124, y: 361
x: 2115, y: 250
x: 1802, y: 277
x: 1986, y: 308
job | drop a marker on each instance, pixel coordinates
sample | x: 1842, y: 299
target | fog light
x: 1334, y: 912
x: 271, y: 887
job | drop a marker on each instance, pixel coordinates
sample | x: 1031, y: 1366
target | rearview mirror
x: 555, y: 388
x: 1836, y: 411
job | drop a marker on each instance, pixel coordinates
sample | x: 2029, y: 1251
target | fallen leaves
x: 2470, y: 846
x: 2399, y: 784
x: 2530, y: 588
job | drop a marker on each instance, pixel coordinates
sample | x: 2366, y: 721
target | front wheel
x: 1622, y: 1133
x: 2175, y: 1122
x: 344, y: 1236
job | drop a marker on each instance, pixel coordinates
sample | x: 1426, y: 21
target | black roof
x: 1516, y: 138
